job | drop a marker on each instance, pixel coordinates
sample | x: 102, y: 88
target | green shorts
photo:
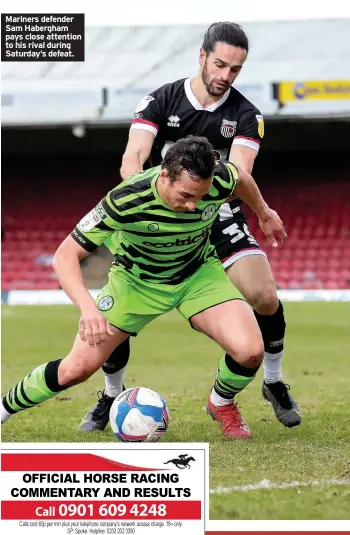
x: 130, y: 303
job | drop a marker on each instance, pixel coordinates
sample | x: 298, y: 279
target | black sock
x: 232, y: 377
x: 118, y: 359
x: 51, y: 376
x: 272, y: 329
x: 238, y: 369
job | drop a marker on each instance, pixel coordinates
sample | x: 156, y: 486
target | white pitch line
x: 265, y: 484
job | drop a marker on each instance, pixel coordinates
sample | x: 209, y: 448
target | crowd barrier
x: 95, y: 104
x: 58, y: 297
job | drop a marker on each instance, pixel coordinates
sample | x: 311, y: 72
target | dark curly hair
x: 194, y: 154
x: 225, y: 32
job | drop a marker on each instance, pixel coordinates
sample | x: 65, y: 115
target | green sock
x: 232, y: 378
x: 38, y: 386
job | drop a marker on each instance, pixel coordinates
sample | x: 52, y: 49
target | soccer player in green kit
x: 157, y: 224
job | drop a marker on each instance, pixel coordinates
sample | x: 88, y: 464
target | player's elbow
x: 132, y: 163
x: 123, y: 168
x: 67, y: 253
x: 59, y: 259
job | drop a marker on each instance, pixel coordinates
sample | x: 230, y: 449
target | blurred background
x: 65, y: 127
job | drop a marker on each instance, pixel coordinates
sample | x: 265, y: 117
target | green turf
x: 180, y: 364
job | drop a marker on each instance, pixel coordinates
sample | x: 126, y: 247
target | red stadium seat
x: 316, y: 216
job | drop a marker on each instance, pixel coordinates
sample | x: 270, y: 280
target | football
x: 139, y: 415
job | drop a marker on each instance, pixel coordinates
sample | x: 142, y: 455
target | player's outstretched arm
x: 270, y: 222
x: 93, y: 326
x: 136, y: 153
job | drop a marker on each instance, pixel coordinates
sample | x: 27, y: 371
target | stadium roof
x: 131, y: 61
x: 153, y: 55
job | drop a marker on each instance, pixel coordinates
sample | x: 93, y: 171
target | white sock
x: 272, y: 367
x: 114, y: 383
x: 217, y: 400
x: 4, y: 414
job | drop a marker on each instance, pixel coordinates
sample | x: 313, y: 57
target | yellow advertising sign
x: 314, y: 90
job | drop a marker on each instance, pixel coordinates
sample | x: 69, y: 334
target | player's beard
x: 209, y: 84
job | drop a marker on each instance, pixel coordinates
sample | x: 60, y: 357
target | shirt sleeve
x: 250, y: 129
x: 149, y: 113
x: 100, y: 223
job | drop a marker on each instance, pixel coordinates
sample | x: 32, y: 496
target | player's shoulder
x: 135, y: 184
x: 225, y: 178
x: 241, y: 102
x: 170, y: 89
x: 225, y: 170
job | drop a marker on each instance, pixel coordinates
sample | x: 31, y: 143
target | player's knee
x: 73, y: 371
x: 249, y: 353
x: 265, y: 299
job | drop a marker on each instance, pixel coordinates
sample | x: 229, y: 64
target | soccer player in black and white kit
x: 207, y: 105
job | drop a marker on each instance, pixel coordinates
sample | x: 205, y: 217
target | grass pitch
x: 300, y: 473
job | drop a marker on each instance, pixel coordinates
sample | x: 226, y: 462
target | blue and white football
x: 139, y: 415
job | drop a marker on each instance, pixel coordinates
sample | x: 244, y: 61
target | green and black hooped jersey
x: 146, y: 237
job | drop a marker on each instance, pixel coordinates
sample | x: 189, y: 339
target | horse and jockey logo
x: 183, y: 461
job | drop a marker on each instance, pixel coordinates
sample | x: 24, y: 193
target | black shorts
x: 233, y: 240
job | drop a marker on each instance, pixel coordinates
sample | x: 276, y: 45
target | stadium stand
x: 317, y: 253
x: 316, y: 216
x: 122, y: 65
x: 50, y: 203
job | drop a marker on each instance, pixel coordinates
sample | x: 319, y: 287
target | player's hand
x: 272, y: 227
x: 94, y: 328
